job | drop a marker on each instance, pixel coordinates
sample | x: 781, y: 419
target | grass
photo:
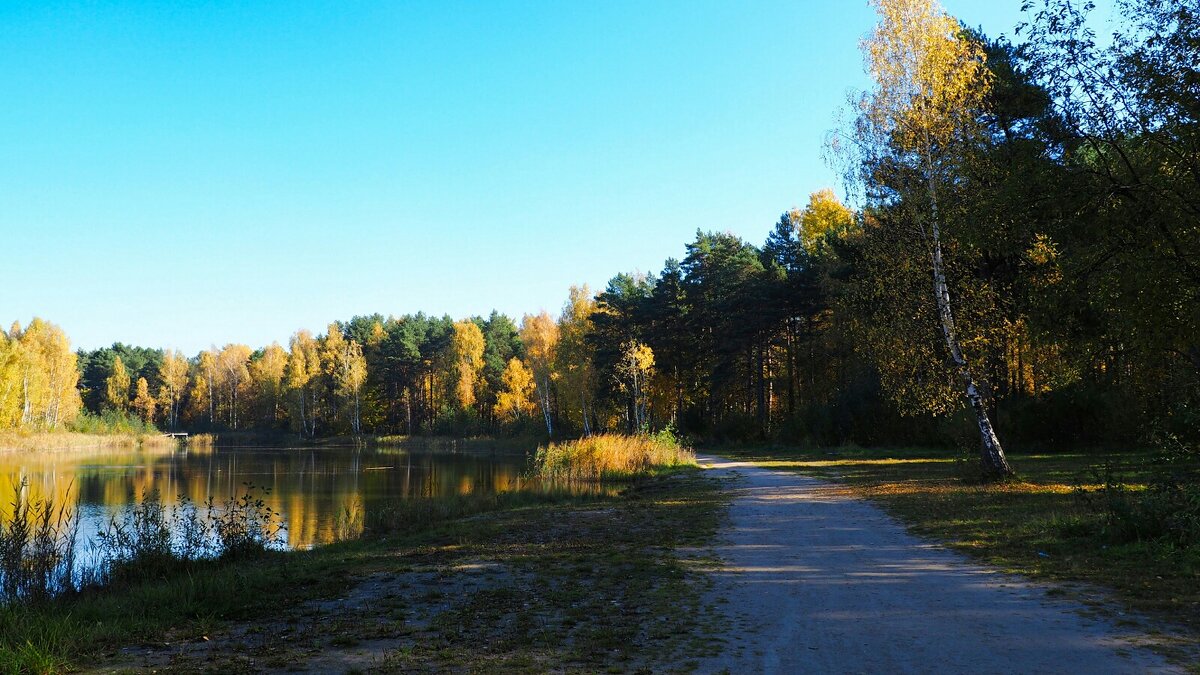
x: 513, y: 582
x: 612, y: 457
x: 63, y: 440
x: 1044, y: 523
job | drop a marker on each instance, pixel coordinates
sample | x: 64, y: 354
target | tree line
x: 1023, y: 262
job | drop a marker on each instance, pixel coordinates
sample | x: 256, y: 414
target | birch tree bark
x: 931, y: 82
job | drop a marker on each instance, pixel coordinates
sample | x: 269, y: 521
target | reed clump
x: 37, y: 548
x: 612, y: 457
x: 150, y: 538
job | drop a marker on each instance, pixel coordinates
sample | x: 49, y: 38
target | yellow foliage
x: 117, y: 385
x: 573, y: 357
x: 515, y: 400
x: 824, y: 217
x: 610, y: 456
x: 38, y: 377
x: 467, y: 345
x: 143, y: 402
x: 930, y: 79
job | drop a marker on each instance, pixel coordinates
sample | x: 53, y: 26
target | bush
x: 110, y: 422
x: 611, y: 456
x: 246, y: 526
x: 1167, y: 510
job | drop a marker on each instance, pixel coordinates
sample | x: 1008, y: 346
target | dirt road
x: 818, y: 581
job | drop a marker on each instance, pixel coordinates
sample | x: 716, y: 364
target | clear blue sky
x: 196, y: 173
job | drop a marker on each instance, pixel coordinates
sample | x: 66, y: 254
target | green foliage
x: 111, y: 422
x: 1166, y: 510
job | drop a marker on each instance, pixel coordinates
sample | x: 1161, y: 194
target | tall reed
x: 37, y: 548
x: 611, y: 457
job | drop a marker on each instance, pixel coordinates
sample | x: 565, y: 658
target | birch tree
x: 573, y: 357
x: 514, y: 401
x: 117, y: 386
x: 635, y: 369
x: 173, y: 373
x: 467, y: 346
x: 232, y: 362
x: 303, y: 365
x: 351, y: 375
x: 539, y: 333
x: 143, y: 402
x: 930, y: 84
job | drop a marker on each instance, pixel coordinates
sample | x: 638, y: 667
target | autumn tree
x: 930, y: 83
x: 634, y: 370
x: 204, y: 386
x: 574, y: 357
x: 351, y: 375
x: 515, y: 401
x: 38, y: 377
x: 468, y: 347
x: 117, y: 386
x: 143, y: 402
x: 232, y: 362
x: 173, y: 374
x: 823, y: 218
x: 539, y: 333
x: 303, y: 366
x: 10, y: 402
x: 267, y: 370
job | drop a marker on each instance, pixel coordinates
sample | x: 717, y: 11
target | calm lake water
x: 313, y: 488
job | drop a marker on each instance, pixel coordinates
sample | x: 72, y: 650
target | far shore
x: 63, y: 441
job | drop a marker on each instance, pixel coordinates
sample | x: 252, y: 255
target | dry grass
x: 611, y: 457
x: 69, y: 441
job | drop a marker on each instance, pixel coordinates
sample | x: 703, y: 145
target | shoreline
x: 12, y: 442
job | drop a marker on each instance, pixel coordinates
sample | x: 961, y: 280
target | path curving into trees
x: 816, y: 580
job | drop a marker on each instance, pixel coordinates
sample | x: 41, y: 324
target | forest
x: 1024, y: 250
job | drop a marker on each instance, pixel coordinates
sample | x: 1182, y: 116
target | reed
x: 612, y: 457
x: 37, y: 548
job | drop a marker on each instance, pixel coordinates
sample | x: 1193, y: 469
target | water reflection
x: 313, y: 488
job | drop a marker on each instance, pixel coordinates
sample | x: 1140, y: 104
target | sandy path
x: 816, y: 581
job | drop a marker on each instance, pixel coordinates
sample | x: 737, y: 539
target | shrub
x: 1167, y: 510
x: 111, y: 422
x: 246, y: 526
x: 611, y: 456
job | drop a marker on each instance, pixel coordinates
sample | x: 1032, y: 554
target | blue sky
x: 196, y: 173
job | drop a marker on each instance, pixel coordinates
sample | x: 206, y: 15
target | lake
x: 312, y: 487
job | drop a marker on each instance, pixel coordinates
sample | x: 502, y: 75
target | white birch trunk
x: 992, y: 458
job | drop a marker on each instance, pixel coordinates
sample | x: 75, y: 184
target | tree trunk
x: 992, y: 459
x: 583, y: 410
x: 543, y: 393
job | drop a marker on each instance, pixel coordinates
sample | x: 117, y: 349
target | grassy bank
x: 67, y: 441
x: 516, y: 582
x: 1048, y: 522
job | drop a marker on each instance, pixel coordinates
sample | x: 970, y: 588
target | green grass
x: 585, y: 582
x: 1037, y: 524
